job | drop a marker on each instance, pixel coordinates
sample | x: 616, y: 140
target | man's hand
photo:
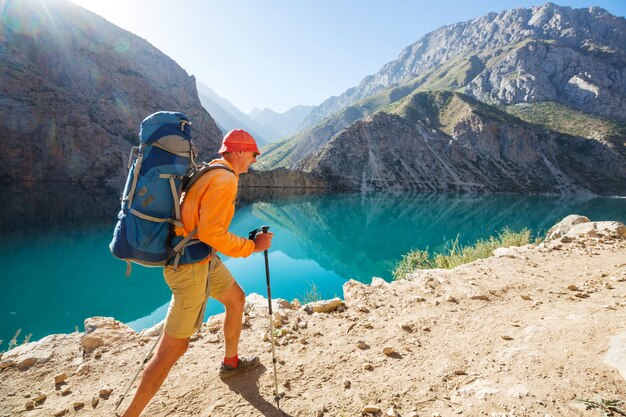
x: 263, y: 241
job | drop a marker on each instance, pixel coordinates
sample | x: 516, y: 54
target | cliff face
x: 74, y: 90
x: 587, y: 59
x: 449, y: 142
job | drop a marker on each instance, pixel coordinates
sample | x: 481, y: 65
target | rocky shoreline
x: 530, y: 331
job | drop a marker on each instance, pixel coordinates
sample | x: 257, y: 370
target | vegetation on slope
x: 457, y: 254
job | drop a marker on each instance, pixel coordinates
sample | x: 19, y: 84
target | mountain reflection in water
x: 57, y: 270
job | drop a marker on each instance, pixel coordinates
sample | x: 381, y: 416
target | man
x: 209, y: 205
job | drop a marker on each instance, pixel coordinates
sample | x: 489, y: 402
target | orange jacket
x: 210, y: 205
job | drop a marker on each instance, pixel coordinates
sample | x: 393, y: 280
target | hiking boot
x: 243, y: 365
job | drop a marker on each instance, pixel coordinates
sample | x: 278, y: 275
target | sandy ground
x: 529, y: 332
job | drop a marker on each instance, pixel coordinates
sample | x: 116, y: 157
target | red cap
x: 238, y: 140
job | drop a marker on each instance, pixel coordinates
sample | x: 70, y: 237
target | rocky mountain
x: 74, y: 90
x: 229, y: 117
x: 286, y: 124
x: 546, y: 53
x: 560, y: 72
x: 445, y: 141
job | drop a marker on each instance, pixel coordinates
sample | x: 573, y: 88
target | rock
x: 564, y: 226
x: 295, y: 303
x: 100, y: 331
x: 425, y: 328
x: 26, y: 363
x: 389, y: 350
x: 66, y: 391
x: 581, y: 295
x: 368, y: 366
x: 61, y: 412
x: 105, y: 392
x: 60, y: 378
x: 26, y: 355
x: 278, y: 319
x: 29, y: 405
x: 40, y: 396
x: 378, y: 282
x: 354, y: 290
x: 215, y: 323
x: 451, y: 299
x: 391, y: 412
x: 6, y: 363
x: 324, y: 306
x: 505, y: 337
x: 78, y: 404
x: 483, y: 297
x: 407, y: 327
x: 361, y: 344
x: 371, y: 409
x: 572, y: 287
x: 82, y: 369
x: 363, y: 308
x: 525, y: 297
x: 94, y: 401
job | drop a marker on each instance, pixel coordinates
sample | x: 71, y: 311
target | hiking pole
x: 269, y: 301
x: 145, y: 360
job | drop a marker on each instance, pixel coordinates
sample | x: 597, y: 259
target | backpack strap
x: 137, y: 152
x: 188, y: 182
x: 195, y: 175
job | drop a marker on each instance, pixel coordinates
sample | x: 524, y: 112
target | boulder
x: 564, y: 226
x: 323, y: 306
x: 101, y: 331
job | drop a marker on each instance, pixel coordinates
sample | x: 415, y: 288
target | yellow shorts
x: 190, y: 293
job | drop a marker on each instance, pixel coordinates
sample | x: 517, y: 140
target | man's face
x: 248, y: 158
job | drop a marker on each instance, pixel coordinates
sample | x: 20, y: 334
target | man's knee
x: 234, y: 299
x: 172, y: 348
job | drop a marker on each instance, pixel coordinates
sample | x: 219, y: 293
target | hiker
x: 210, y: 206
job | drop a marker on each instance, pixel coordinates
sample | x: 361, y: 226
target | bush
x: 458, y: 255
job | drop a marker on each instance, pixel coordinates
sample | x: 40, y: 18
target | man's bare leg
x: 170, y: 349
x: 233, y: 299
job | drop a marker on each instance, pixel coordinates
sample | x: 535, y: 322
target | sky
x: 281, y: 53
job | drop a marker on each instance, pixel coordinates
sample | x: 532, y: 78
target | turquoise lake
x: 56, y: 269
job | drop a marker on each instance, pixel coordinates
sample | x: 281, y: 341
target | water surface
x: 56, y: 269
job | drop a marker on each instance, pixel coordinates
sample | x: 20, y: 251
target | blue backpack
x: 158, y: 168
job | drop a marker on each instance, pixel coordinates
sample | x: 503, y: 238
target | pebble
x: 40, y: 397
x: 94, y: 401
x: 59, y: 413
x: 525, y: 297
x: 483, y: 297
x: 425, y: 328
x: 66, y: 391
x: 389, y: 350
x: 60, y: 378
x: 572, y: 287
x: 361, y: 344
x: 30, y: 405
x: 407, y: 327
x: 505, y: 337
x: 581, y: 295
x: 78, y: 404
x: 363, y: 308
x: 451, y: 299
x: 391, y: 412
x: 105, y: 392
x: 368, y: 367
x: 372, y: 409
x: 346, y: 383
x: 82, y: 369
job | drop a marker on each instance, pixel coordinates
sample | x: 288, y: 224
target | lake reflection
x: 56, y: 269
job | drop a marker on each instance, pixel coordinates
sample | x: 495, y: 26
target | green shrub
x: 456, y: 254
